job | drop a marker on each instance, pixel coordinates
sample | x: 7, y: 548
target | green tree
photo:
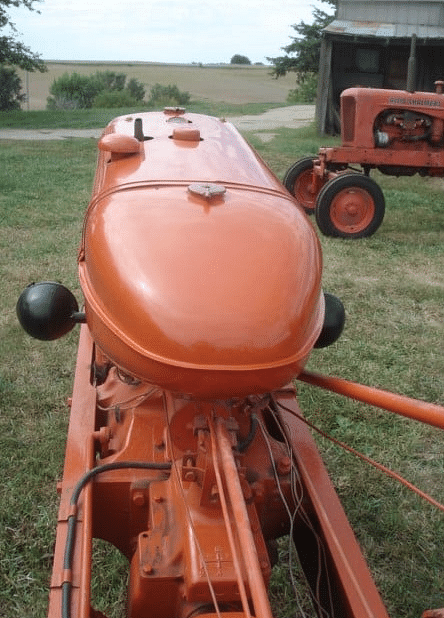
x: 12, y: 51
x: 108, y: 99
x: 239, y: 59
x: 101, y: 89
x: 11, y: 94
x: 161, y: 96
x: 302, y: 55
x: 73, y: 91
x: 109, y: 80
x: 136, y: 89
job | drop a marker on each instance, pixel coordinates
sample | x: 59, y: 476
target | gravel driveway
x: 292, y: 117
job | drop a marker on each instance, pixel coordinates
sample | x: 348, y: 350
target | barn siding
x: 424, y: 12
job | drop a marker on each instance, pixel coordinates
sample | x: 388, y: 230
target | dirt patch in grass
x: 293, y: 116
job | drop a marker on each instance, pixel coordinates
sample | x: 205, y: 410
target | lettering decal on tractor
x: 419, y: 102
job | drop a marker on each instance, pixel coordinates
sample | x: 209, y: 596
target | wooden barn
x: 368, y: 44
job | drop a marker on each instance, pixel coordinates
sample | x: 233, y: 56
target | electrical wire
x: 298, y: 497
x: 291, y: 516
x: 307, y: 521
x: 391, y: 473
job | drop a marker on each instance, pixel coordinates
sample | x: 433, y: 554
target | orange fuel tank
x: 199, y: 272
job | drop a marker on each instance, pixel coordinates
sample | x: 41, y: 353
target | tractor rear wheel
x: 301, y: 183
x: 350, y: 206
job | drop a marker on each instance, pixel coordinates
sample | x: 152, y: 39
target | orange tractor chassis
x: 130, y: 506
x: 186, y: 449
x: 136, y: 505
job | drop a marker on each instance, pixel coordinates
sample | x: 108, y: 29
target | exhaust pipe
x: 411, y: 67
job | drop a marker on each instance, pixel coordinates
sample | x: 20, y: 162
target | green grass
x: 44, y: 189
x: 288, y: 146
x: 392, y: 286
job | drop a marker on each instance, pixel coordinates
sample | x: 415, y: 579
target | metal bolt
x: 284, y: 465
x: 258, y: 490
x: 139, y: 498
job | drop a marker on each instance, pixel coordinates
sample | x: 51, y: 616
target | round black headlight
x: 334, y: 320
x: 47, y: 310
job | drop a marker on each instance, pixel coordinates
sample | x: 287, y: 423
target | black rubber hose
x: 72, y: 519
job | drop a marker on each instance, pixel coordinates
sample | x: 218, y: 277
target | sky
x: 177, y: 31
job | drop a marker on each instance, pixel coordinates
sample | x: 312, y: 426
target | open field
x: 232, y: 84
x: 392, y: 286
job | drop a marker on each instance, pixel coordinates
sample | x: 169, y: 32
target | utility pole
x: 27, y: 90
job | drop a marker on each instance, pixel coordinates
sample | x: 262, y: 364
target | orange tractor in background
x: 186, y: 448
x: 398, y: 132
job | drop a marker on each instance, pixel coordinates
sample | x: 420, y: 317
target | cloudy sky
x: 161, y: 30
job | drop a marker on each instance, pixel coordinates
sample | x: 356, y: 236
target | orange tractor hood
x: 205, y: 285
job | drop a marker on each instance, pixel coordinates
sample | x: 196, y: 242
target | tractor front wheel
x: 350, y: 206
x: 302, y: 184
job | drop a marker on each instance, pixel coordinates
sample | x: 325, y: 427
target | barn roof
x: 389, y: 19
x: 384, y: 30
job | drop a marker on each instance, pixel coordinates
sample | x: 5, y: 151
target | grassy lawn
x: 43, y: 192
x: 93, y: 118
x: 392, y: 286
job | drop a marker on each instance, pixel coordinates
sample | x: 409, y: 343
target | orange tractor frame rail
x: 186, y: 448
